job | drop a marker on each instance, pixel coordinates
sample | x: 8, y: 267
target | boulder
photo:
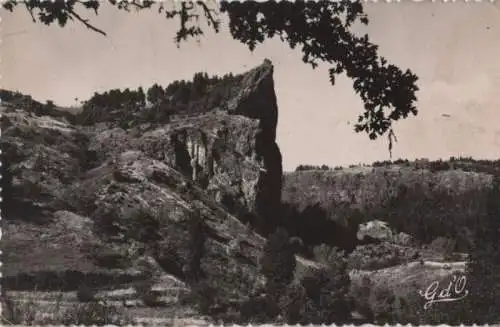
x: 375, y: 229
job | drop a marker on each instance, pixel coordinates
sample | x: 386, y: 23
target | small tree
x: 322, y: 296
x: 141, y: 96
x: 155, y: 94
x: 278, y: 263
x: 329, y: 291
x: 296, y: 304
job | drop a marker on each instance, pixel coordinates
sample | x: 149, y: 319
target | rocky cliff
x: 100, y: 205
x: 229, y: 149
x: 424, y: 203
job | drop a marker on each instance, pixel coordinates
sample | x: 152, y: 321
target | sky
x: 453, y: 47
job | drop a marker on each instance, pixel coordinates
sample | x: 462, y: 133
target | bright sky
x: 453, y: 47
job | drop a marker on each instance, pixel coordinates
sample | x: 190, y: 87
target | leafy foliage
x: 312, y: 167
x: 27, y: 103
x: 327, y: 254
x: 204, y: 295
x: 128, y: 108
x: 278, y: 263
x: 437, y: 214
x: 100, y: 107
x: 321, y: 29
x: 381, y: 255
x: 322, y: 296
x: 142, y: 226
x: 414, y: 200
x: 324, y: 36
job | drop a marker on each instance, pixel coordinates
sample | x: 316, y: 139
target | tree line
x: 157, y: 104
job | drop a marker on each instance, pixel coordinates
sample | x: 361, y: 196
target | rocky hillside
x: 111, y: 205
x: 104, y: 207
x: 421, y: 201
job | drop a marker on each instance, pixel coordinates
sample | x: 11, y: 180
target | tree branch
x: 85, y: 22
x: 208, y: 14
x: 30, y: 10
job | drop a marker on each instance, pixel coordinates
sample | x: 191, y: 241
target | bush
x: 205, y: 296
x: 360, y: 293
x: 327, y: 254
x: 334, y: 305
x: 278, y: 263
x: 443, y: 245
x: 142, y: 226
x: 322, y: 296
x: 379, y: 256
x: 312, y: 167
x: 85, y: 293
x: 295, y: 305
x: 108, y: 257
x: 259, y: 310
x: 383, y: 305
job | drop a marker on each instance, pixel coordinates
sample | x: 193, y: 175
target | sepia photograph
x: 197, y: 163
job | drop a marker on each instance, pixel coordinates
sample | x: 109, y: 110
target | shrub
x: 85, y: 293
x: 278, y: 263
x: 295, y: 305
x: 334, y: 305
x: 142, y: 226
x: 443, y: 245
x: 321, y: 297
x: 205, y: 296
x: 168, y: 257
x: 382, y: 301
x: 327, y: 254
x: 360, y: 293
x: 378, y: 256
x: 259, y: 310
x: 108, y: 257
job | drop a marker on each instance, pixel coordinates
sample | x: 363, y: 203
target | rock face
x: 40, y: 156
x: 409, y: 198
x: 92, y: 204
x: 230, y: 151
x: 375, y: 229
x: 381, y: 231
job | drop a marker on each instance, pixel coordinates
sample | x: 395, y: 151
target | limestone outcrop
x: 229, y: 150
x: 86, y: 196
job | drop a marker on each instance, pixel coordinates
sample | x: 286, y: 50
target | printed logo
x: 454, y: 292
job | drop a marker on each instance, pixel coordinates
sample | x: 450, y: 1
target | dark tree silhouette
x: 155, y: 93
x: 321, y: 29
x: 278, y: 263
